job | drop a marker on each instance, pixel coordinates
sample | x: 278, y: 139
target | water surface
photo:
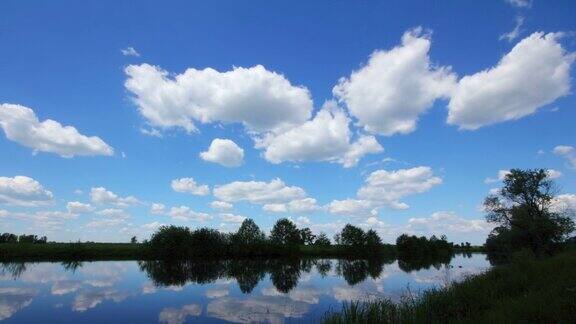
x: 272, y: 291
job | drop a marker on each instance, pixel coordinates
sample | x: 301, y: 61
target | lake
x: 272, y: 291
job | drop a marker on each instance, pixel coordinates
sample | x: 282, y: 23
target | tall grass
x: 526, y: 290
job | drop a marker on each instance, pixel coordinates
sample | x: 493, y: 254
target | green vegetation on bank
x: 530, y: 286
x: 525, y: 290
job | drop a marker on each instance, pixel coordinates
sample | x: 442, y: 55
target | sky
x: 119, y: 117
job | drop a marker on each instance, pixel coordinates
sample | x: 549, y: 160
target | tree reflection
x: 285, y: 274
x: 407, y: 264
x: 323, y: 267
x: 14, y: 269
x: 247, y: 273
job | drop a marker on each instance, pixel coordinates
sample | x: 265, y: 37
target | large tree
x: 523, y: 210
x: 352, y: 235
x: 285, y: 232
x: 249, y: 233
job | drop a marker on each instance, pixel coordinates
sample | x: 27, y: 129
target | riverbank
x: 525, y: 290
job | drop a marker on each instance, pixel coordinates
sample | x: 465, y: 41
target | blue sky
x: 397, y: 116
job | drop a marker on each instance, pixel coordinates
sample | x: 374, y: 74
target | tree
x: 523, y: 210
x: 249, y: 233
x: 285, y: 232
x: 306, y: 236
x: 171, y: 241
x: 372, y: 238
x: 322, y: 240
x: 133, y: 240
x: 352, y: 235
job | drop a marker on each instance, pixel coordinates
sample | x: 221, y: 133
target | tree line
x: 13, y: 238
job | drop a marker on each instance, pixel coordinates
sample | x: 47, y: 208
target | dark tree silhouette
x: 525, y: 215
x: 285, y: 232
x: 322, y: 240
x: 352, y: 235
x: 249, y: 233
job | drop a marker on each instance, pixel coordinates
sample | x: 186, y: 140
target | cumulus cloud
x: 157, y: 209
x: 259, y: 192
x: 533, y: 74
x: 298, y: 206
x: 21, y: 125
x: 231, y: 218
x: 221, y: 205
x: 352, y: 207
x: 259, y: 99
x: 567, y: 152
x: 152, y: 226
x: 389, y: 93
x: 76, y: 207
x: 388, y: 187
x: 184, y: 213
x: 447, y: 222
x: 130, y: 51
x: 23, y: 191
x: 565, y: 203
x: 224, y: 152
x: 100, y: 195
x: 326, y: 137
x: 189, y: 185
x: 514, y: 33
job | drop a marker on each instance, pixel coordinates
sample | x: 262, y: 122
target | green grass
x: 525, y: 290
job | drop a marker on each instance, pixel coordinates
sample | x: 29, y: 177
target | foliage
x: 322, y: 240
x: 524, y: 214
x: 409, y: 246
x: 249, y: 233
x: 285, y: 232
x: 171, y: 241
x: 306, y: 236
x: 13, y: 238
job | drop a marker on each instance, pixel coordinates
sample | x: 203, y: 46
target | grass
x: 129, y: 251
x: 526, y: 290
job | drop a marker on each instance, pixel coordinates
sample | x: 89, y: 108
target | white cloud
x: 520, y: 3
x: 130, y: 51
x: 352, y: 207
x: 326, y: 137
x: 105, y: 223
x: 455, y: 227
x: 501, y: 176
x: 23, y: 191
x: 157, y: 209
x: 221, y: 205
x: 567, y: 152
x: 259, y: 192
x: 275, y: 208
x: 151, y: 132
x: 23, y: 127
x: 306, y: 205
x: 100, y: 195
x: 224, y: 152
x: 76, y: 207
x: 189, y: 185
x: 231, y: 218
x: 565, y: 203
x: 533, y: 74
x: 389, y: 93
x: 114, y: 213
x: 184, y: 213
x: 152, y: 226
x: 553, y: 174
x: 299, y: 206
x: 260, y: 99
x: 388, y: 187
x: 514, y: 33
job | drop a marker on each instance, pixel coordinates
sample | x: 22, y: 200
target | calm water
x: 210, y: 292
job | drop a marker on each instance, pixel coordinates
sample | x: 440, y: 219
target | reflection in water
x: 171, y: 315
x: 240, y: 291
